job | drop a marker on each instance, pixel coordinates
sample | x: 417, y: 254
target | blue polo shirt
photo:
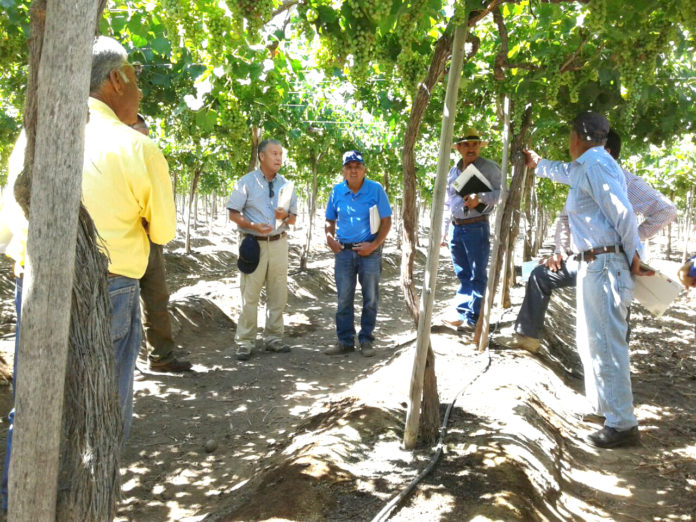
x: 352, y: 211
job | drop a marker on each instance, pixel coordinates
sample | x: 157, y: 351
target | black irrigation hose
x: 386, y: 511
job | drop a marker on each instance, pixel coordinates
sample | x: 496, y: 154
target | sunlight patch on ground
x: 577, y: 509
x: 688, y: 452
x: 599, y: 481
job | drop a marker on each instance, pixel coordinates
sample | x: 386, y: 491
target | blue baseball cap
x: 352, y: 155
x: 249, y: 253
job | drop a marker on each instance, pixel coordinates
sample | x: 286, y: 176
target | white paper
x: 285, y: 198
x: 375, y: 220
x: 468, y: 173
x: 656, y: 293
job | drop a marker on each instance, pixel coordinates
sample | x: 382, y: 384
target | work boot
x: 519, y: 341
x: 339, y: 349
x: 277, y: 346
x: 243, y: 353
x: 366, y: 349
x: 170, y: 365
x: 612, y: 438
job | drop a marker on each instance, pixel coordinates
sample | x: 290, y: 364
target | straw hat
x: 471, y: 134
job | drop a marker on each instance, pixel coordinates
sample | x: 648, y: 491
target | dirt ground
x: 304, y: 436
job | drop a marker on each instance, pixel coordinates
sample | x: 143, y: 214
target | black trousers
x: 540, y: 285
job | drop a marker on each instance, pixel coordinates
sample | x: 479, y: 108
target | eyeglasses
x: 137, y: 68
x: 270, y: 189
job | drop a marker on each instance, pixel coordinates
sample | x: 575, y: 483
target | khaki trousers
x: 272, y: 272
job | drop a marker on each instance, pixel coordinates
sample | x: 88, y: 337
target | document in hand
x: 375, y: 220
x: 656, y: 292
x: 471, y: 181
x: 285, y: 198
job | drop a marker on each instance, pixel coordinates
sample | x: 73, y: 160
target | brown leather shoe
x: 171, y: 365
x: 516, y: 340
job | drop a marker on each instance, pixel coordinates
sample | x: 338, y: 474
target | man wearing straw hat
x: 466, y: 229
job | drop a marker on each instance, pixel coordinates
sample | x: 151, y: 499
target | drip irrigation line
x: 387, y: 510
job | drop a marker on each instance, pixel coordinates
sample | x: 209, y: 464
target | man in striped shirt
x: 553, y: 272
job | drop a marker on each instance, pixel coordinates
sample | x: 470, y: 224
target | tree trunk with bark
x: 530, y: 212
x: 409, y: 213
x: 254, y: 156
x: 67, y: 425
x: 509, y: 273
x: 311, y: 211
x: 687, y: 223
x: 512, y: 203
x: 669, y: 230
x: 192, y: 197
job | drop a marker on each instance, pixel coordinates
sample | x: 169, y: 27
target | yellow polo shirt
x: 125, y: 180
x: 11, y: 214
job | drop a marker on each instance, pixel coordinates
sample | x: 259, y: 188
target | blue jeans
x: 604, y: 292
x: 10, y: 417
x: 470, y: 249
x: 348, y: 265
x: 126, y: 336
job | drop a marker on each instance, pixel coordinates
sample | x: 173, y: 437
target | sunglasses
x: 270, y: 189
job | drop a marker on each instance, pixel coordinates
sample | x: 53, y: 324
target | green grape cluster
x: 411, y: 68
x: 361, y: 43
x: 554, y: 84
x: 369, y: 9
x: 596, y: 18
x: 574, y: 93
x: 460, y: 12
x: 257, y: 13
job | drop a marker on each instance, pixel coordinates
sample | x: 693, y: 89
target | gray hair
x: 107, y: 55
x: 266, y: 143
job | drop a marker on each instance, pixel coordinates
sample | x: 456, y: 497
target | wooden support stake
x: 428, y: 293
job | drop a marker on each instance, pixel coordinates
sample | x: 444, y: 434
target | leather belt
x: 269, y: 238
x: 348, y: 246
x: 589, y: 255
x: 460, y: 222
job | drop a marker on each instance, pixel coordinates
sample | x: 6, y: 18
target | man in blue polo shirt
x: 358, y: 250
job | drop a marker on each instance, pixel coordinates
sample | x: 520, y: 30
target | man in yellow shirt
x: 125, y: 181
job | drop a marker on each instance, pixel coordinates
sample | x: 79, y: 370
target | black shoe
x: 366, y: 349
x: 171, y: 365
x: 339, y: 349
x: 612, y: 438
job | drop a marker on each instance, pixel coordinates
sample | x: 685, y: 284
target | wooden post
x: 428, y: 293
x: 62, y: 90
x: 488, y: 301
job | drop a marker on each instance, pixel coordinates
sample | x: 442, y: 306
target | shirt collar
x: 101, y: 108
x: 262, y: 177
x: 346, y: 188
x: 589, y: 153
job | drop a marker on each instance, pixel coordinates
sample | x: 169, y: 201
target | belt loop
x: 617, y: 249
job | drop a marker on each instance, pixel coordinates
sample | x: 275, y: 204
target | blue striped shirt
x: 599, y: 212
